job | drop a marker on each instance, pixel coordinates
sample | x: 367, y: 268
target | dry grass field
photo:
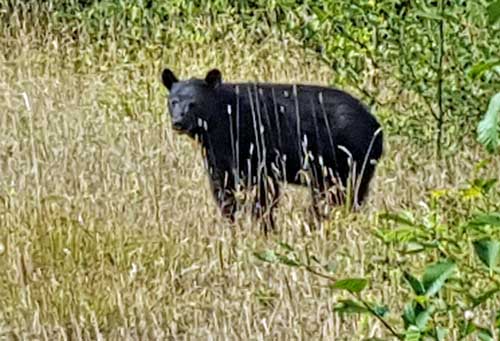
x: 108, y: 229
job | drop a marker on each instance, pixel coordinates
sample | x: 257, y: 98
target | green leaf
x: 413, y: 247
x: 268, y: 256
x: 415, y: 284
x: 412, y: 334
x: 482, y: 164
x: 353, y: 285
x: 350, y: 307
x: 353, y: 307
x: 494, y: 11
x: 441, y: 333
x: 401, y: 218
x: 485, y: 185
x: 423, y: 317
x: 487, y: 250
x: 288, y: 260
x: 421, y: 300
x: 467, y: 327
x: 484, y: 334
x: 436, y: 275
x: 409, y: 315
x: 487, y: 129
x: 483, y: 219
x: 399, y: 235
x: 479, y: 69
x: 380, y: 310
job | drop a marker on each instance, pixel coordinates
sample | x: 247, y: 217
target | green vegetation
x: 107, y: 226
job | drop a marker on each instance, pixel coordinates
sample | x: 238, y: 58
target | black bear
x: 255, y: 135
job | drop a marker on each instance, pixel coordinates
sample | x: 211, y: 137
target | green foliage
x: 472, y: 236
x: 484, y: 219
x: 353, y: 285
x: 482, y: 68
x: 418, y: 312
x: 412, y: 334
x: 485, y: 335
x: 416, y: 285
x: 488, y: 130
x: 435, y: 275
x: 448, y: 288
x: 487, y: 251
x: 288, y: 258
x: 349, y: 306
x: 494, y: 11
x: 424, y: 47
x: 389, y: 52
x: 267, y: 256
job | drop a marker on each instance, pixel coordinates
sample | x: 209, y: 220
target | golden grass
x: 108, y: 229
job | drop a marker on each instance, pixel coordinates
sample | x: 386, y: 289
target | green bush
x: 407, y: 57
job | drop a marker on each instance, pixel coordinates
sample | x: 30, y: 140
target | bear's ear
x: 168, y: 78
x: 213, y: 78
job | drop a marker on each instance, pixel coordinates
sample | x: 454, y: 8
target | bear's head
x: 191, y: 102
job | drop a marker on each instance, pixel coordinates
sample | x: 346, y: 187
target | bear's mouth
x: 177, y: 126
x: 183, y: 130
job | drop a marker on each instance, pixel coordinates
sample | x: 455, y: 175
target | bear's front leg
x: 223, y: 192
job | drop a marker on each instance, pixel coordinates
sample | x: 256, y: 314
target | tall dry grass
x: 108, y: 229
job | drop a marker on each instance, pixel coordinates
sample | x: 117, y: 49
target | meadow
x: 108, y: 229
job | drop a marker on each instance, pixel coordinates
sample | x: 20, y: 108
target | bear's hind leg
x: 268, y: 193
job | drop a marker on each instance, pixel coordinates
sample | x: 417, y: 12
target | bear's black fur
x: 261, y: 134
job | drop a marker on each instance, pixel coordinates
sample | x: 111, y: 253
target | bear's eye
x: 174, y: 102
